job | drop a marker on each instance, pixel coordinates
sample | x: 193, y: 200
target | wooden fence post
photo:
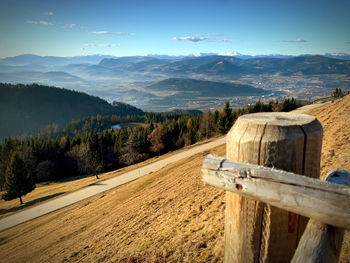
x: 254, y: 231
x: 321, y: 242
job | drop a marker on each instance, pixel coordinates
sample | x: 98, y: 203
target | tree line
x: 90, y: 147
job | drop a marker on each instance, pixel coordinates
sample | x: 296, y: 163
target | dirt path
x: 100, y: 187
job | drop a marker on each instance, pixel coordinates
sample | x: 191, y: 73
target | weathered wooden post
x: 322, y: 242
x: 254, y: 231
x: 327, y: 204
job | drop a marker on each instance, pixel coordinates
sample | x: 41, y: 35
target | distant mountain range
x: 27, y: 59
x: 128, y: 78
x: 32, y: 68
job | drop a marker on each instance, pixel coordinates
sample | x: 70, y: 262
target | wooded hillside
x: 27, y: 108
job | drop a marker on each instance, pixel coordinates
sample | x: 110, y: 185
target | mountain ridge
x: 27, y: 108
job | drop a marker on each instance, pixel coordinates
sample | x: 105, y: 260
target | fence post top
x: 277, y: 118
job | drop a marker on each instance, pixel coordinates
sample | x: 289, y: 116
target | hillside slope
x: 167, y: 216
x: 334, y: 118
x: 27, y: 108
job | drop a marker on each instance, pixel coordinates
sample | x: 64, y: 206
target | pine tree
x: 338, y: 93
x: 18, y: 181
x: 225, y: 119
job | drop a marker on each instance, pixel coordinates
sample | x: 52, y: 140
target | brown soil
x: 167, y: 216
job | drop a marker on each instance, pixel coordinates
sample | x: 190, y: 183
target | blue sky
x: 135, y: 27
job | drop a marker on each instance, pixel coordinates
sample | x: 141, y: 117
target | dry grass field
x: 48, y: 191
x: 167, y: 216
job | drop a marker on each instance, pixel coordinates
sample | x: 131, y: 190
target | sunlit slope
x: 167, y: 216
x: 335, y: 119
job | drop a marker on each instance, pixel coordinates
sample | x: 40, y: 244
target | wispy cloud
x: 101, y: 45
x: 201, y: 37
x: 219, y: 40
x: 195, y: 38
x: 49, y: 13
x: 41, y: 22
x: 298, y: 40
x: 216, y: 35
x: 348, y: 42
x: 111, y: 33
x: 70, y: 25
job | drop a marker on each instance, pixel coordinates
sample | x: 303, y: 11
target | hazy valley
x: 133, y: 79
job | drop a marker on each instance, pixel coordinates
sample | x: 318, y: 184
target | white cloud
x: 111, y: 33
x: 49, y: 13
x: 200, y: 37
x: 298, y: 40
x: 195, y: 38
x: 31, y: 22
x: 101, y: 45
x: 41, y: 22
x: 70, y: 25
x: 82, y: 49
x: 231, y: 54
x: 109, y: 45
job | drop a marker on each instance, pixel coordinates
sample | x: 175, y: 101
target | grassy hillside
x: 167, y: 216
x: 26, y: 108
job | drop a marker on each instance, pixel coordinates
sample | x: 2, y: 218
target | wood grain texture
x: 285, y: 141
x: 310, y: 197
x: 321, y: 242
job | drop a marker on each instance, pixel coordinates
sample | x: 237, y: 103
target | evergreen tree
x: 225, y: 119
x: 18, y: 181
x: 216, y: 116
x: 5, y: 155
x: 338, y: 93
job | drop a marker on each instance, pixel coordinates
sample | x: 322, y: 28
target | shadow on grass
x: 69, y: 179
x: 30, y: 203
x: 3, y: 240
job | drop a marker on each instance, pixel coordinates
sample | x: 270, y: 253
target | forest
x: 89, y: 146
x: 24, y: 109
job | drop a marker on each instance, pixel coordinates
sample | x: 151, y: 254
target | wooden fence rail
x: 327, y: 202
x: 267, y: 209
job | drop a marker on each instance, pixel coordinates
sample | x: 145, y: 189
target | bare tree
x: 156, y: 139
